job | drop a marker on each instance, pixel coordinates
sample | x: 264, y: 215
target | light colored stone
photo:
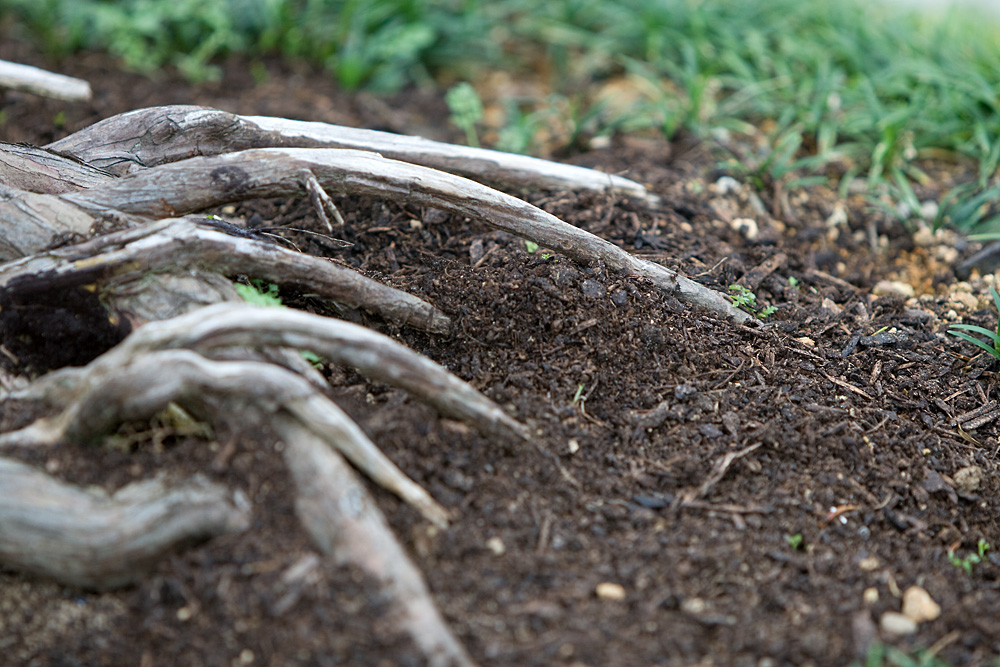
x: 894, y: 624
x: 869, y: 564
x: 919, y: 606
x: 968, y: 479
x: 725, y: 185
x: 871, y: 595
x: 747, y: 227
x: 964, y: 300
x: 610, y: 591
x: 496, y: 546
x: 830, y: 305
x: 893, y: 287
x: 838, y: 217
x: 694, y: 606
x: 923, y: 237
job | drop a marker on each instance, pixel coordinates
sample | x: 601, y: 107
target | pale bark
x: 40, y: 82
x: 344, y: 523
x: 126, y: 387
x: 124, y: 257
x: 38, y: 170
x: 200, y: 183
x: 157, y: 135
x: 91, y: 539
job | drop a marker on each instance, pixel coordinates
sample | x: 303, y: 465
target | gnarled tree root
x: 129, y: 383
x: 199, y: 183
x: 105, y: 541
x: 344, y: 522
x: 157, y: 135
x: 142, y: 170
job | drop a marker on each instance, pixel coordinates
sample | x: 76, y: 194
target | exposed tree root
x: 157, y: 135
x: 199, y: 183
x: 345, y: 523
x: 101, y: 541
x: 95, y: 218
x: 124, y: 257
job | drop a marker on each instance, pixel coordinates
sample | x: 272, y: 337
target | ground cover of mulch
x: 698, y: 492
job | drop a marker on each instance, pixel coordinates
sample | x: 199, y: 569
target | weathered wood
x: 95, y: 540
x: 344, y: 523
x: 157, y: 135
x: 40, y: 82
x: 125, y: 386
x: 38, y: 170
x: 374, y: 355
x: 122, y: 258
x: 203, y: 182
x: 200, y: 183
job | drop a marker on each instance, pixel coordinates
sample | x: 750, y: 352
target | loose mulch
x: 752, y: 496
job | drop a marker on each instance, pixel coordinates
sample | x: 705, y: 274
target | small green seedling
x: 796, y: 542
x: 531, y: 247
x: 971, y: 560
x: 257, y: 293
x: 466, y: 110
x: 993, y: 336
x: 745, y: 298
x: 793, y: 281
x: 579, y: 394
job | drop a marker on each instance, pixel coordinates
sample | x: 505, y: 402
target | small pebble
x: 593, y: 289
x: 895, y: 624
x: 893, y: 287
x: 726, y: 184
x: 869, y: 564
x: 609, y: 591
x: 747, y: 227
x: 496, y: 546
x: 710, y: 430
x: 871, y: 595
x: 968, y: 479
x: 619, y: 297
x: 964, y: 300
x: 682, y: 392
x: 919, y: 606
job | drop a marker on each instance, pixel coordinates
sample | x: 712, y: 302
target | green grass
x: 791, y: 92
x: 992, y: 343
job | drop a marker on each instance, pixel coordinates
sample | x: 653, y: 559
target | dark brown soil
x: 762, y: 496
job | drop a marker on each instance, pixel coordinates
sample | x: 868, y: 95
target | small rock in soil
x: 593, y: 289
x: 476, y: 251
x: 682, y: 392
x: 496, y: 546
x: 969, y: 479
x: 609, y: 591
x: 919, y: 606
x: 893, y: 287
x: 893, y: 624
x: 710, y: 430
